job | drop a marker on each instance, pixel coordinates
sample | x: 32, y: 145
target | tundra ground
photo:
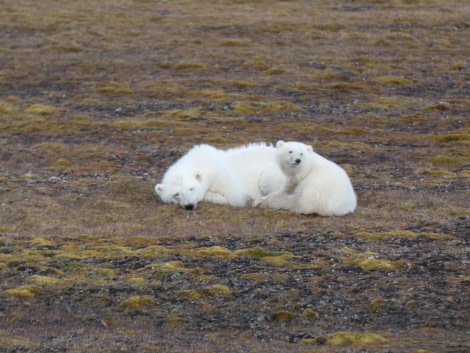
x: 98, y: 99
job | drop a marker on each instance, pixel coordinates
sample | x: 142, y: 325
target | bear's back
x: 199, y: 159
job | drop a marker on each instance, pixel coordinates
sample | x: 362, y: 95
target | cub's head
x: 292, y: 156
x: 185, y: 191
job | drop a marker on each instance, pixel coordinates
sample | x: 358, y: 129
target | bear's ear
x: 310, y: 149
x: 198, y: 177
x: 279, y: 143
x: 159, y: 189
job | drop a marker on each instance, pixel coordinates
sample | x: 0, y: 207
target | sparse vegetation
x: 97, y: 99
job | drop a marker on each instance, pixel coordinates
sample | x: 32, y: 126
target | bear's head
x: 185, y: 191
x: 293, y: 156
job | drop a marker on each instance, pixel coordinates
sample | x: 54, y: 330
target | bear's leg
x: 278, y: 200
x: 271, y: 179
x: 215, y: 197
x: 229, y: 198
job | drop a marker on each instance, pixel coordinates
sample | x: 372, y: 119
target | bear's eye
x: 290, y: 152
x: 177, y: 195
x: 191, y: 189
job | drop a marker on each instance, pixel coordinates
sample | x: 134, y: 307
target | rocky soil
x: 97, y: 100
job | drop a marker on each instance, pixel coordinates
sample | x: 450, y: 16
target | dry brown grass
x: 97, y: 99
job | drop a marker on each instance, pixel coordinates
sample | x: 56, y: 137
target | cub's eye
x: 191, y: 189
x: 290, y: 152
x: 177, y: 195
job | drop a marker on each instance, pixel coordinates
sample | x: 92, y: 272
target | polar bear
x: 314, y: 184
x: 201, y: 174
x: 229, y: 177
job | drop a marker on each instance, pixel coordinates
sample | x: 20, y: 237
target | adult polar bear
x: 230, y: 177
x: 314, y: 184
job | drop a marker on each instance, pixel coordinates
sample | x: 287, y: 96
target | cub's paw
x: 259, y: 202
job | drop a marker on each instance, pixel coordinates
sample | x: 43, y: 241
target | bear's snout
x: 189, y: 207
x: 298, y: 161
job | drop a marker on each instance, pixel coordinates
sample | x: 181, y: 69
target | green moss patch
x: 260, y: 253
x: 24, y: 292
x: 406, y: 234
x: 358, y: 339
x: 144, y: 302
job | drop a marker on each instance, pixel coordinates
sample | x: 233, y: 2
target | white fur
x: 248, y: 163
x: 314, y: 184
x: 224, y: 177
x: 271, y: 179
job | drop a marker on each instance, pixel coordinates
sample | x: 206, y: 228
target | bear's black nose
x: 298, y: 160
x: 189, y: 207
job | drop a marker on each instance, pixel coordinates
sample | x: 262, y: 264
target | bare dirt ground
x: 97, y: 99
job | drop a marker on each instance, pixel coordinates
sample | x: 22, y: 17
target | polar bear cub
x: 228, y: 177
x: 314, y: 184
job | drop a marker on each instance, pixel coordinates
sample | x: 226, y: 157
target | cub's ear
x: 198, y: 177
x: 159, y: 189
x: 279, y: 143
x: 309, y: 148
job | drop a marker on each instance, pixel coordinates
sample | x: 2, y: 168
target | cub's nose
x: 189, y: 207
x: 297, y: 161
